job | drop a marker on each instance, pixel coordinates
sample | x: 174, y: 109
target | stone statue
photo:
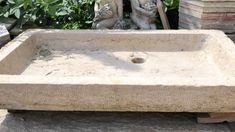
x: 144, y: 13
x: 107, y: 13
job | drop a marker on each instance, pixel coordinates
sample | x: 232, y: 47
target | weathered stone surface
x: 200, y: 14
x: 191, y: 22
x: 165, y: 71
x: 7, y: 22
x: 16, y: 31
x: 144, y: 13
x: 184, y: 25
x: 226, y: 17
x: 208, y: 7
x: 107, y: 13
x: 4, y: 35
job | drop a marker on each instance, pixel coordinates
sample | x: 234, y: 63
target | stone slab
x: 226, y: 17
x: 16, y: 31
x: 216, y: 0
x: 209, y: 4
x: 4, y: 35
x: 9, y: 23
x: 209, y: 20
x: 198, y: 26
x: 209, y: 16
x: 152, y: 71
x: 208, y: 7
x: 207, y: 24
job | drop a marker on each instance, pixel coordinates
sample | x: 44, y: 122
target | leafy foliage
x: 171, y: 4
x: 69, y: 14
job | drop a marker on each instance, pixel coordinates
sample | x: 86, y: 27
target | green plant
x: 69, y: 13
x: 171, y: 4
x: 49, y: 13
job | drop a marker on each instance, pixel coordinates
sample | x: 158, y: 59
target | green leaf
x: 88, y: 22
x: 52, y: 1
x: 62, y: 13
x: 6, y: 14
x: 12, y: 10
x: 52, y: 10
x: 11, y: 1
x: 171, y: 4
x: 26, y: 3
x: 34, y: 17
x: 74, y: 13
x: 17, y: 13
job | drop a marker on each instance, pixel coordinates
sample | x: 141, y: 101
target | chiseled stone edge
x: 4, y: 35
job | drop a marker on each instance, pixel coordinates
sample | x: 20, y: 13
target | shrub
x: 68, y: 14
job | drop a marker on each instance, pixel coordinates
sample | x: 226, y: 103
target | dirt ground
x: 104, y: 122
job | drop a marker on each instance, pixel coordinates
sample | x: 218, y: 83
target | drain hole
x: 138, y: 60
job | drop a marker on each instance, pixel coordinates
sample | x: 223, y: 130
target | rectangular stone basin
x: 149, y: 71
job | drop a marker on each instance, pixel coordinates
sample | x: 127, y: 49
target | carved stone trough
x: 162, y: 71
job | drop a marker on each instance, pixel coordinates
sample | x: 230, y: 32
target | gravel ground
x: 104, y: 122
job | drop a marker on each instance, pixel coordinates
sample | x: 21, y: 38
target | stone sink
x: 146, y: 71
